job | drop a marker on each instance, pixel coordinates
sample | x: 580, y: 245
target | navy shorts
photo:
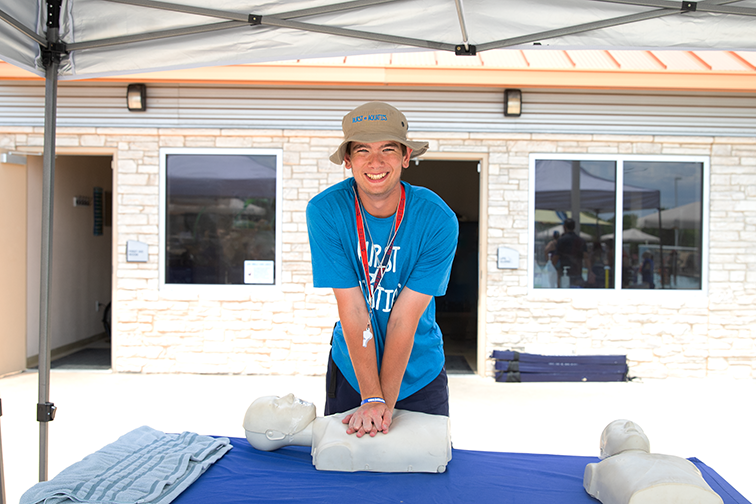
x: 341, y: 396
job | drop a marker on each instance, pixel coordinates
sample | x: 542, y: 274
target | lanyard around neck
x: 363, y: 247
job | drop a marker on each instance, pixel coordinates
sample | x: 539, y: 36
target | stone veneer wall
x: 287, y: 330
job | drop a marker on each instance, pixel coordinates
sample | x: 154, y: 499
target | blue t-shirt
x: 421, y: 259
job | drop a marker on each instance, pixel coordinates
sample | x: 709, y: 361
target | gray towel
x: 143, y: 466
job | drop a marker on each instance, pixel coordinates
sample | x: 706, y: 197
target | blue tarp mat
x: 588, y: 376
x: 245, y: 475
x: 558, y: 367
x: 518, y: 367
x: 510, y: 355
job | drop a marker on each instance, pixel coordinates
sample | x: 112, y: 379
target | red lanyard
x: 386, y: 254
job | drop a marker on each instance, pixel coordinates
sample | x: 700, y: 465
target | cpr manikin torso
x: 416, y: 442
x: 629, y: 474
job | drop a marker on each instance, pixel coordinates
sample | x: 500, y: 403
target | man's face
x: 377, y: 167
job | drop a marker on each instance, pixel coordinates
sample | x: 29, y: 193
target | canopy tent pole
x: 462, y: 25
x: 661, y: 251
x: 575, y: 196
x: 51, y: 59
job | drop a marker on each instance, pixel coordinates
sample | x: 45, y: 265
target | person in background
x: 551, y: 247
x: 647, y: 269
x: 572, y: 254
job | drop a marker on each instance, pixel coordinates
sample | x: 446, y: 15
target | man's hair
x: 349, y: 148
x: 569, y: 224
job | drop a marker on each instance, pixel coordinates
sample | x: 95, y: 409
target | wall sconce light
x: 136, y: 97
x: 512, y: 102
x: 10, y: 158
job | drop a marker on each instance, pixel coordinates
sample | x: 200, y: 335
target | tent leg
x: 45, y: 409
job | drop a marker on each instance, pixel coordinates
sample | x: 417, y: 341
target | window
x: 220, y: 215
x: 621, y: 222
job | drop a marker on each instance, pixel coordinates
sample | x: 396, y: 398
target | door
x: 80, y: 285
x: 457, y: 182
x: 13, y: 266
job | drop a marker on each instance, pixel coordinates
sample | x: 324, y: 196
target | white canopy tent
x: 75, y: 39
x: 681, y: 217
x: 107, y: 37
x: 633, y: 235
x: 555, y: 179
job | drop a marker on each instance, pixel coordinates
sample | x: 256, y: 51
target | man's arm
x: 353, y: 314
x: 400, y: 336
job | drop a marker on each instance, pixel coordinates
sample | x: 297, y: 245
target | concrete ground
x: 709, y: 419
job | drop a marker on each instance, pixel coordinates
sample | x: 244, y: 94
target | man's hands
x: 370, y: 418
x: 374, y: 417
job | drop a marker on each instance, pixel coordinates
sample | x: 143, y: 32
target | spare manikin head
x: 278, y: 419
x: 622, y: 435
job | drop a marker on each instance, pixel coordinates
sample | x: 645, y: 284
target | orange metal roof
x: 625, y: 69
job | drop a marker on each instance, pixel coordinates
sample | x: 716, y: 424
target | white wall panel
x: 430, y: 109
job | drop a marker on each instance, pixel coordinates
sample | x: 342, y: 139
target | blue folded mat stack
x: 514, y: 366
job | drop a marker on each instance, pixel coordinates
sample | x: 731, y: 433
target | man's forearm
x: 395, y: 358
x: 400, y: 337
x: 353, y: 315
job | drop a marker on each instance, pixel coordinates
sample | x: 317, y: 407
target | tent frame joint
x: 46, y: 412
x: 255, y: 19
x: 689, y: 6
x: 54, y: 51
x: 465, y: 50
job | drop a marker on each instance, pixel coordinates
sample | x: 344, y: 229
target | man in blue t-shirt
x: 386, y: 249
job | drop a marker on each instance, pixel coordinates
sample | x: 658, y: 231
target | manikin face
x: 377, y: 167
x: 287, y: 415
x: 622, y: 435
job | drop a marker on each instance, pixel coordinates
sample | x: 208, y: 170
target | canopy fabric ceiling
x: 112, y: 37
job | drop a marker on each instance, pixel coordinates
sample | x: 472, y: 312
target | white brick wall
x: 287, y: 330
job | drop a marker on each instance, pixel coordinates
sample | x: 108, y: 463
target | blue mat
x: 246, y: 475
x: 523, y: 367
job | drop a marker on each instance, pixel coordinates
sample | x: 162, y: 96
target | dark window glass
x: 576, y: 243
x: 662, y: 242
x: 575, y: 204
x: 220, y: 219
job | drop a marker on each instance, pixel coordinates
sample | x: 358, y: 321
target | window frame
x: 217, y: 289
x: 620, y: 159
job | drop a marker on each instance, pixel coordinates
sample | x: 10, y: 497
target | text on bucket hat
x: 375, y: 122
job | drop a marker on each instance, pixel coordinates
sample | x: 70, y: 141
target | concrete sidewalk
x: 709, y: 419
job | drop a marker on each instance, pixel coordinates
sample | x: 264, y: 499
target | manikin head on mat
x: 629, y: 474
x: 273, y: 422
x: 623, y: 435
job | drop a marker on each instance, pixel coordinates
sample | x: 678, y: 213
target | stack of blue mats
x: 523, y: 367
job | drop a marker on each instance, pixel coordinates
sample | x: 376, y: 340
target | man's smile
x: 376, y: 176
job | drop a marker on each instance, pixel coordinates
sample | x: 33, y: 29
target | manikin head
x: 622, y: 435
x: 272, y: 422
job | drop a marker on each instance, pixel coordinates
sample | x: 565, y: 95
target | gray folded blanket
x: 143, y: 466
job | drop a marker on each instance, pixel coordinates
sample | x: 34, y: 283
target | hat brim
x: 418, y: 148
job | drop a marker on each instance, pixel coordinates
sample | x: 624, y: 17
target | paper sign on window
x: 258, y: 272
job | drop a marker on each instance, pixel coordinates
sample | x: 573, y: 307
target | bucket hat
x: 375, y: 122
